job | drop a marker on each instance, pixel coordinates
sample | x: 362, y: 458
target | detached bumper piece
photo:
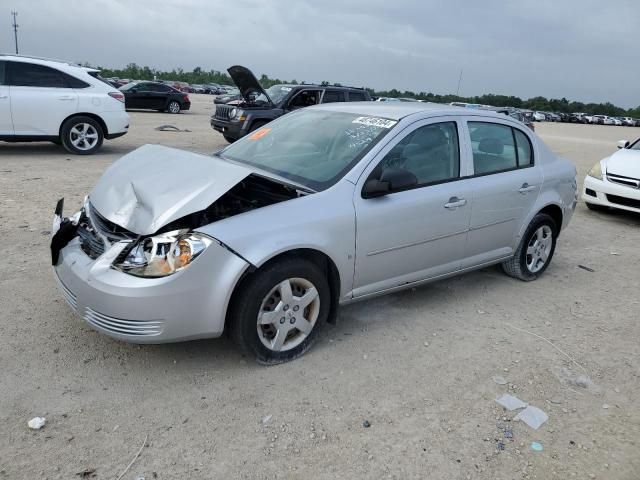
x: 67, y: 231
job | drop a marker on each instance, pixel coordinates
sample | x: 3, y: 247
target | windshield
x: 636, y: 145
x: 314, y: 148
x: 128, y: 86
x: 276, y: 94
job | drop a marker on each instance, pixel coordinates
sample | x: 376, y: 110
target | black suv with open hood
x: 259, y: 106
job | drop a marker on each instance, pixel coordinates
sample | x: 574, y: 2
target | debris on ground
x: 87, y: 473
x: 510, y: 402
x: 536, y: 446
x: 532, y: 416
x: 170, y: 128
x: 570, y: 379
x: 266, y: 419
x: 508, y: 433
x: 588, y: 269
x: 36, y: 423
x: 366, y: 424
x: 499, y: 380
x: 605, y: 406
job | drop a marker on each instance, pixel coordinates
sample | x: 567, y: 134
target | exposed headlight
x: 596, y: 171
x: 233, y: 113
x: 163, y: 254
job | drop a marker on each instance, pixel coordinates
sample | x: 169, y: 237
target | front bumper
x: 233, y: 130
x: 609, y: 194
x: 187, y: 305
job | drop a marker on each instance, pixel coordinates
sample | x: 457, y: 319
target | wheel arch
x: 555, y: 212
x: 321, y: 259
x: 93, y: 116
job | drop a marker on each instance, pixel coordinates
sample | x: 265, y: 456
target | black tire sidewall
x: 537, y: 222
x: 65, y: 138
x: 249, y: 300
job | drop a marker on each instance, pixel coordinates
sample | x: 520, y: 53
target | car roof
x: 313, y: 85
x: 399, y: 110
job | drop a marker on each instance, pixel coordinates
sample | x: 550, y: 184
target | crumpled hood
x: 624, y: 162
x: 155, y: 185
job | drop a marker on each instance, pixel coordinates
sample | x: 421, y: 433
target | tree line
x: 200, y: 76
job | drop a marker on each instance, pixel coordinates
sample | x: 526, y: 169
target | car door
x: 158, y: 95
x: 6, y: 124
x: 419, y: 232
x: 41, y: 99
x: 505, y: 184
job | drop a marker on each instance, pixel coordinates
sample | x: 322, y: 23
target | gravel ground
x: 417, y: 367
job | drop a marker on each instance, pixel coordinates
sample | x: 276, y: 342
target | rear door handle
x: 455, y: 202
x: 526, y: 188
x: 66, y: 97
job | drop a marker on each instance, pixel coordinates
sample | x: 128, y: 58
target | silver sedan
x: 322, y: 207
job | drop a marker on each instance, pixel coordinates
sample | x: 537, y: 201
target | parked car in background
x: 155, y: 96
x: 539, y: 116
x: 616, y: 121
x: 628, y: 121
x: 47, y: 100
x: 614, y: 182
x: 551, y: 117
x: 564, y: 117
x: 515, y: 113
x: 259, y: 106
x: 227, y: 95
x: 578, y: 118
x: 324, y: 206
x: 197, y: 88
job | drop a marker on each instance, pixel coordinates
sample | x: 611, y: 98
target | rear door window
x: 333, y: 96
x: 22, y: 74
x: 498, y: 148
x: 356, y: 97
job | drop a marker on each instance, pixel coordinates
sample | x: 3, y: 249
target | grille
x: 627, y: 202
x: 626, y: 181
x: 123, y: 327
x: 223, y: 112
x: 93, y: 227
x: 69, y: 297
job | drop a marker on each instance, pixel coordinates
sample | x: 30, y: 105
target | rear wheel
x: 535, y: 250
x: 81, y: 135
x: 173, y: 107
x: 278, y: 311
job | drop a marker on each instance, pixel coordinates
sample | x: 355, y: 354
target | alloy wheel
x: 288, y: 314
x: 539, y: 248
x: 83, y: 136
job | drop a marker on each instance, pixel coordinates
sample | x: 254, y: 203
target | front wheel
x: 173, y: 107
x: 535, y: 250
x: 81, y: 135
x: 228, y: 138
x: 278, y: 311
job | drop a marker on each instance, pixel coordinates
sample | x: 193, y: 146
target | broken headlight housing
x: 163, y: 254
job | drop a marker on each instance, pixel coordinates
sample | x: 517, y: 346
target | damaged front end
x: 173, y: 246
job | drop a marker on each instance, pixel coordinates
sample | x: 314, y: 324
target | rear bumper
x: 117, y: 123
x: 609, y: 194
x: 185, y: 106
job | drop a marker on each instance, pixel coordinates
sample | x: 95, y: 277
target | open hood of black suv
x: 247, y: 83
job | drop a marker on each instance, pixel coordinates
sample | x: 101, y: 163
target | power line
x: 15, y: 29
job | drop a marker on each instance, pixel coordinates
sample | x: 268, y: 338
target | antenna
x: 15, y: 29
x: 459, y: 82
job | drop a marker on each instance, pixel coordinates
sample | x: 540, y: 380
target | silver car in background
x: 324, y: 206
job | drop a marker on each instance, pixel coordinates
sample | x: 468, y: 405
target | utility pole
x: 459, y: 82
x: 15, y: 29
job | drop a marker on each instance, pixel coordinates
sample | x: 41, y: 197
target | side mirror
x: 623, y: 143
x: 391, y: 179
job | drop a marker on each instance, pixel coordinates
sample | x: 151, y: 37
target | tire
x: 81, y: 135
x: 596, y: 208
x: 531, y: 259
x: 262, y: 317
x: 228, y: 138
x: 174, y: 107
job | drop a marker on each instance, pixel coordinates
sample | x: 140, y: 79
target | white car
x: 539, y: 116
x: 615, y: 181
x: 628, y: 121
x: 46, y: 100
x: 602, y: 120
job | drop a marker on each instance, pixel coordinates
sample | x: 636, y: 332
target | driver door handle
x: 66, y: 97
x: 455, y: 202
x: 526, y: 188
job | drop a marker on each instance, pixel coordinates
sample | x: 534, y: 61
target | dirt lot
x: 418, y: 365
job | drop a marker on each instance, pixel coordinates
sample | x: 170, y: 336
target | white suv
x: 46, y: 100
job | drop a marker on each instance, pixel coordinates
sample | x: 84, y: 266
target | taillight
x: 117, y: 95
x: 185, y: 98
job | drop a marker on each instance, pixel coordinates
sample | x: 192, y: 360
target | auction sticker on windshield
x: 375, y: 122
x: 259, y: 134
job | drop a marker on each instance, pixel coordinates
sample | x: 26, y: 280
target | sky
x: 584, y: 50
